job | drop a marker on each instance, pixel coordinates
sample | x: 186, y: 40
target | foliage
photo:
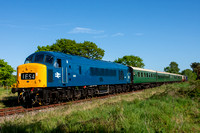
x: 190, y: 75
x: 172, y: 68
x: 85, y: 49
x: 196, y: 68
x: 6, y: 77
x: 131, y: 60
x: 175, y: 109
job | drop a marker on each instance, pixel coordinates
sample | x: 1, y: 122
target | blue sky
x: 158, y: 31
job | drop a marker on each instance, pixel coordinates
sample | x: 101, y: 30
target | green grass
x: 169, y: 108
x: 7, y: 99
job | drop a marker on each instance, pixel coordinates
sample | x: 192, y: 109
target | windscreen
x: 39, y: 58
x: 29, y: 59
x: 49, y: 59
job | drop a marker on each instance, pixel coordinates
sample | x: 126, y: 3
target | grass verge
x: 169, y: 108
x: 7, y: 99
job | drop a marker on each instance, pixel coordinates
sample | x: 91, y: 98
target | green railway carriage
x: 141, y: 75
x: 176, y: 77
x: 163, y: 77
x: 168, y: 77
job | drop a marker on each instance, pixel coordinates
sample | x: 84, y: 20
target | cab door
x: 64, y: 71
x: 58, y: 73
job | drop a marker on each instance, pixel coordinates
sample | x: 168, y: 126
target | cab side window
x: 57, y: 63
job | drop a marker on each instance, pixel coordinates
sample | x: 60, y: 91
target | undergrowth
x: 7, y: 99
x: 175, y: 109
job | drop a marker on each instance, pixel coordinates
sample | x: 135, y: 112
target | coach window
x: 39, y: 58
x: 138, y: 74
x: 134, y: 74
x: 57, y: 63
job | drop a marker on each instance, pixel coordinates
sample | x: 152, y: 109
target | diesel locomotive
x: 50, y: 77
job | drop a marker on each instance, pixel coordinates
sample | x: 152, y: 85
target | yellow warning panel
x: 31, y: 75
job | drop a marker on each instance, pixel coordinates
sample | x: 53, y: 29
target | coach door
x: 131, y: 75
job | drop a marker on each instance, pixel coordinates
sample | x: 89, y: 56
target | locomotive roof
x: 69, y: 56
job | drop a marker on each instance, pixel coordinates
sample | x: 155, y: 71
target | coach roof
x: 142, y: 69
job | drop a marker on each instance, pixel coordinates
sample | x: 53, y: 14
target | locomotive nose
x: 31, y: 75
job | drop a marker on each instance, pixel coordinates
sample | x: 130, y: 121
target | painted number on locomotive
x: 26, y: 76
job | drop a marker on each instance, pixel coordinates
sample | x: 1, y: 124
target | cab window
x: 57, y: 63
x: 29, y: 59
x: 49, y: 59
x: 39, y: 58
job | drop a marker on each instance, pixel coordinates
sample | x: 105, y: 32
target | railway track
x: 21, y: 109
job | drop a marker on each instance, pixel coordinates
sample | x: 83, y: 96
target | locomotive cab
x: 56, y: 68
x: 40, y: 70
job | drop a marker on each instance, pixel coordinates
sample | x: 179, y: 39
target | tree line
x: 91, y: 50
x: 6, y: 74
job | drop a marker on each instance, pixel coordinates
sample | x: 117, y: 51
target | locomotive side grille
x: 50, y: 75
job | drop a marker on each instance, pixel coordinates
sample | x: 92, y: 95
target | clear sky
x: 158, y: 31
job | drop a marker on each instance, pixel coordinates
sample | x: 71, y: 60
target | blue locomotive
x: 53, y: 76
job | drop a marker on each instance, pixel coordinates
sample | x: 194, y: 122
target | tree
x: 190, y: 75
x: 85, y: 49
x: 6, y: 77
x: 172, y: 68
x: 196, y: 69
x: 131, y: 60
